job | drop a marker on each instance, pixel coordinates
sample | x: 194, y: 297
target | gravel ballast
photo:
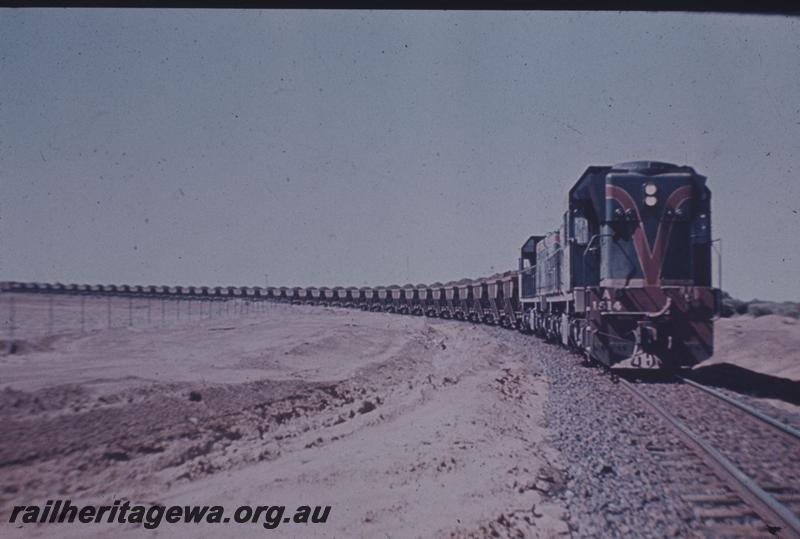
x: 621, y: 477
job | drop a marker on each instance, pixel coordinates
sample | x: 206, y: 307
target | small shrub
x: 732, y: 306
x: 791, y: 309
x: 756, y: 307
x: 760, y: 309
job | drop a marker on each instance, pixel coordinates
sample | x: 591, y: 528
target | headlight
x: 650, y: 201
x: 650, y: 189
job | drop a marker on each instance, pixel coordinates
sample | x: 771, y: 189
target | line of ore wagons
x: 491, y: 300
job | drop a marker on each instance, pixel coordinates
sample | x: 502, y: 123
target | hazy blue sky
x: 351, y: 148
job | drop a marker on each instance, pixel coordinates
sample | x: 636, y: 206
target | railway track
x: 788, y: 429
x: 754, y: 486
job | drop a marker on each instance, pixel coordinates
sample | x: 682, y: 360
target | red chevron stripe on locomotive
x: 650, y: 259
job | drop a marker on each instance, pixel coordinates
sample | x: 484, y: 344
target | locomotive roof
x: 530, y: 245
x: 650, y: 168
x: 589, y: 185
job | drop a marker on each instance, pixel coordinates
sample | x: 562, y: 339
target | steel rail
x: 791, y: 431
x: 771, y: 511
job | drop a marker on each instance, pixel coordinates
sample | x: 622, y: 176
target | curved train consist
x: 625, y: 279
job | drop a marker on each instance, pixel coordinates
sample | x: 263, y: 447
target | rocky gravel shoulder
x: 621, y: 478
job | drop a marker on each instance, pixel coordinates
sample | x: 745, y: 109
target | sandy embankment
x: 407, y: 427
x: 767, y: 344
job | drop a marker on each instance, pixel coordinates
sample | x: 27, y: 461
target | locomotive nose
x: 646, y: 231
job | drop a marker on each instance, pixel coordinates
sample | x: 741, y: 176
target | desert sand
x: 767, y: 344
x: 405, y: 426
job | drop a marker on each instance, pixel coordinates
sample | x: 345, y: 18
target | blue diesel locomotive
x: 626, y: 279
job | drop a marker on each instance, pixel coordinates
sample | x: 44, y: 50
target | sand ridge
x: 767, y: 344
